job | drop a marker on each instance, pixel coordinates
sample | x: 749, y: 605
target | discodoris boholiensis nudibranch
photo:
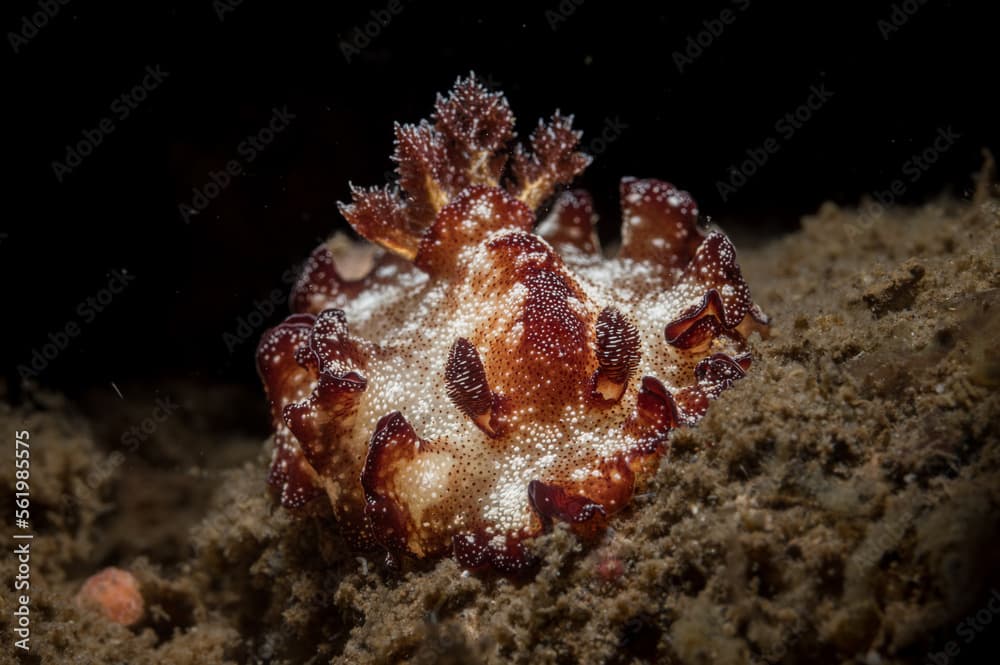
x: 485, y: 376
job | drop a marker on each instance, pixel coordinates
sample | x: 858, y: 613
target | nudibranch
x: 485, y: 377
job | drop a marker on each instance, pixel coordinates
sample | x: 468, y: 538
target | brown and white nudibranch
x: 486, y: 377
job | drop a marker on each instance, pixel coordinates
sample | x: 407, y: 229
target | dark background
x: 193, y: 281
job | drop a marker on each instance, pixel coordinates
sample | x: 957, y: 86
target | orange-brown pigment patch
x: 482, y: 379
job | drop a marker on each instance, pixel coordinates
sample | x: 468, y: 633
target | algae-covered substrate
x: 839, y: 504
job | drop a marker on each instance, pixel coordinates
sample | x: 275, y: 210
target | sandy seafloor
x: 838, y: 505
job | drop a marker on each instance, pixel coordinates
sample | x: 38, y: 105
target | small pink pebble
x: 115, y: 593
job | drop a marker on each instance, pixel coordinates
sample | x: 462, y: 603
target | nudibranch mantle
x: 476, y: 379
